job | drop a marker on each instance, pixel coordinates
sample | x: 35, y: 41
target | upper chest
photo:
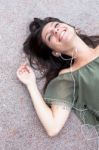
x: 77, y: 66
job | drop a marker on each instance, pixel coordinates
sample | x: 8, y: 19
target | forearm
x: 43, y: 111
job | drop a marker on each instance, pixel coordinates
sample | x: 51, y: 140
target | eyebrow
x: 50, y: 26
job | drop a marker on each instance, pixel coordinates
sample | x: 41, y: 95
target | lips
x: 62, y: 34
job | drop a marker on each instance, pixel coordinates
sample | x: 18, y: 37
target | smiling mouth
x: 62, y: 34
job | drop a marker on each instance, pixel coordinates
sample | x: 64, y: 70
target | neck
x: 83, y: 50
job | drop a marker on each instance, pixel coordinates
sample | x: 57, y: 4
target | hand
x: 26, y: 75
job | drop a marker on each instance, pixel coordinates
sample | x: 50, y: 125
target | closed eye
x: 56, y: 25
x: 49, y: 37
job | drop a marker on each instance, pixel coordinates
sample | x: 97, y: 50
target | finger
x: 21, y: 73
x: 24, y: 71
x: 28, y: 67
x: 25, y: 68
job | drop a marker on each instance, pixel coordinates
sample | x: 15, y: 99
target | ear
x: 56, y: 54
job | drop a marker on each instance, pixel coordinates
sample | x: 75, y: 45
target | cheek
x: 56, y: 45
x: 53, y: 43
x: 70, y: 35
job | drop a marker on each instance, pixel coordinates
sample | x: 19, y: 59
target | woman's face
x: 57, y: 36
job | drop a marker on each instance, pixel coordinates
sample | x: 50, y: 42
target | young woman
x: 70, y: 63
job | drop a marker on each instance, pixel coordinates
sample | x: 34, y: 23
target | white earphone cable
x: 71, y: 71
x: 73, y: 76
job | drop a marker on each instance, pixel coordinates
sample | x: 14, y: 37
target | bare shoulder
x: 97, y: 48
x: 75, y: 67
x: 64, y: 71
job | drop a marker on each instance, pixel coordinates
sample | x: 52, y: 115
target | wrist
x: 32, y: 85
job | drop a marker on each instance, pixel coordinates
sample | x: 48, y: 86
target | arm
x: 52, y: 118
x: 43, y: 111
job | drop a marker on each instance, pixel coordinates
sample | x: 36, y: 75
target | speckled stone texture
x: 20, y: 127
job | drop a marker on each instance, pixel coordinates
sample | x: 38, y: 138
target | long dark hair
x: 40, y: 55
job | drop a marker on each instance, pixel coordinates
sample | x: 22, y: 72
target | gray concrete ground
x: 20, y: 128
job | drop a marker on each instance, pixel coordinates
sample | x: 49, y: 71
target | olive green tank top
x: 79, y: 90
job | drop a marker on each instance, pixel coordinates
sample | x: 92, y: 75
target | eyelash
x: 51, y: 34
x: 56, y: 25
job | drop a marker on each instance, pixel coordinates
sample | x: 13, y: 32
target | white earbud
x: 57, y: 54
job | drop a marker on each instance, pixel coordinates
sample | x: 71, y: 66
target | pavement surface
x: 20, y: 127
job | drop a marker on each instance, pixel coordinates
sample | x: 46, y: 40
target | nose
x: 56, y: 30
